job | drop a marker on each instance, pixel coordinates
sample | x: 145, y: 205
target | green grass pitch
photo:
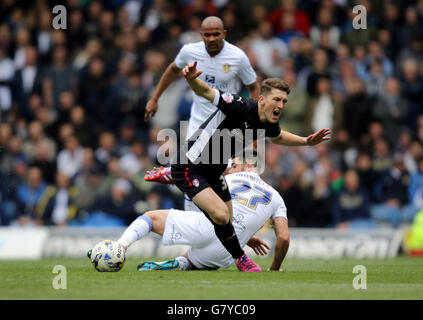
x: 398, y: 278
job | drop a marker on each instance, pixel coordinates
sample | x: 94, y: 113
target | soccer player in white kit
x: 224, y: 66
x: 254, y: 202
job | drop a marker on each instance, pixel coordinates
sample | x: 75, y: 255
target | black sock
x: 228, y: 238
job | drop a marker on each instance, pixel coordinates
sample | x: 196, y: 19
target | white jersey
x: 253, y: 201
x: 223, y: 72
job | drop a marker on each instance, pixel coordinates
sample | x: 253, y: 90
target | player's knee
x: 220, y: 215
x: 154, y: 215
x: 151, y: 214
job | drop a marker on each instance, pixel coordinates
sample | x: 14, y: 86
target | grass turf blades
x: 397, y: 278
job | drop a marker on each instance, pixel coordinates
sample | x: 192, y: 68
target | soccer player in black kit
x: 197, y: 171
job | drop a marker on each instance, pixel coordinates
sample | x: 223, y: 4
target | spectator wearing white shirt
x: 323, y: 109
x: 35, y: 135
x: 70, y: 159
x: 193, y: 32
x: 269, y: 51
x: 43, y: 35
x: 136, y: 160
x: 325, y: 24
x: 23, y: 39
x: 7, y: 71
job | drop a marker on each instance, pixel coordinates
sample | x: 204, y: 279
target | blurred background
x: 74, y: 146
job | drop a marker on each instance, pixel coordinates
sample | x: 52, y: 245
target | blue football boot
x: 155, y: 266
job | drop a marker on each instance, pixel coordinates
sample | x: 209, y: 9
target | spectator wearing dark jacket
x: 351, y: 206
x: 119, y: 203
x: 392, y: 193
x: 28, y: 195
x: 56, y: 205
x: 27, y: 81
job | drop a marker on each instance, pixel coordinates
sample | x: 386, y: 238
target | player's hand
x: 258, y: 245
x: 151, y: 109
x: 190, y: 71
x: 319, y: 136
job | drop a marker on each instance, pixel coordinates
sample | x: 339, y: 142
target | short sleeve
x: 273, y: 130
x: 183, y: 57
x: 230, y: 103
x: 280, y: 210
x: 246, y: 72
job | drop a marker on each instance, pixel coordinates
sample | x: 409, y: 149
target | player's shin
x: 138, y: 229
x: 227, y: 236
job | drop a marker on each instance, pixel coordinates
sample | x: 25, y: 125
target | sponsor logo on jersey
x: 226, y: 67
x: 227, y: 97
x: 210, y: 79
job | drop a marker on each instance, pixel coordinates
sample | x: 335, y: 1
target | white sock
x: 136, y: 230
x: 184, y: 264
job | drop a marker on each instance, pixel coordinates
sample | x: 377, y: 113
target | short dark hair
x: 274, y: 83
x: 248, y: 156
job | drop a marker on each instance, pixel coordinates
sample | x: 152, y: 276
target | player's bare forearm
x: 281, y: 249
x: 280, y: 226
x: 171, y: 73
x: 289, y: 139
x: 199, y: 87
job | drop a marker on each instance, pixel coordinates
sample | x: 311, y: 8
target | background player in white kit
x: 224, y: 66
x: 254, y: 202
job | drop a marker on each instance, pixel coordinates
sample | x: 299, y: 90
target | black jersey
x: 231, y: 128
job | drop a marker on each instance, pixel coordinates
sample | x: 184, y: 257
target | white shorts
x: 189, y: 205
x: 194, y: 229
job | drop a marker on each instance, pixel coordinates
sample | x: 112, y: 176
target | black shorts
x: 191, y: 179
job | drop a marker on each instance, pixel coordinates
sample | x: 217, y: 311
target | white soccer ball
x: 108, y: 256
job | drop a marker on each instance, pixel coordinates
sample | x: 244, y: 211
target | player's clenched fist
x: 151, y: 109
x: 190, y: 71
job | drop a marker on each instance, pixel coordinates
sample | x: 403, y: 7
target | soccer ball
x: 108, y: 256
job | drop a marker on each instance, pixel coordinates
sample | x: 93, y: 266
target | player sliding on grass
x: 195, y: 171
x: 254, y: 202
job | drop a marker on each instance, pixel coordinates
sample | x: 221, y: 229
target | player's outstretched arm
x: 171, y: 74
x: 199, y: 87
x: 282, y: 243
x: 289, y: 139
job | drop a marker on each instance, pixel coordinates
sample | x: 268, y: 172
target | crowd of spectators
x: 74, y: 146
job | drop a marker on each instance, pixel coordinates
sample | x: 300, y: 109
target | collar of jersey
x: 224, y: 44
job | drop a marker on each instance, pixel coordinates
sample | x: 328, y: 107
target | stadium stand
x: 74, y: 146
